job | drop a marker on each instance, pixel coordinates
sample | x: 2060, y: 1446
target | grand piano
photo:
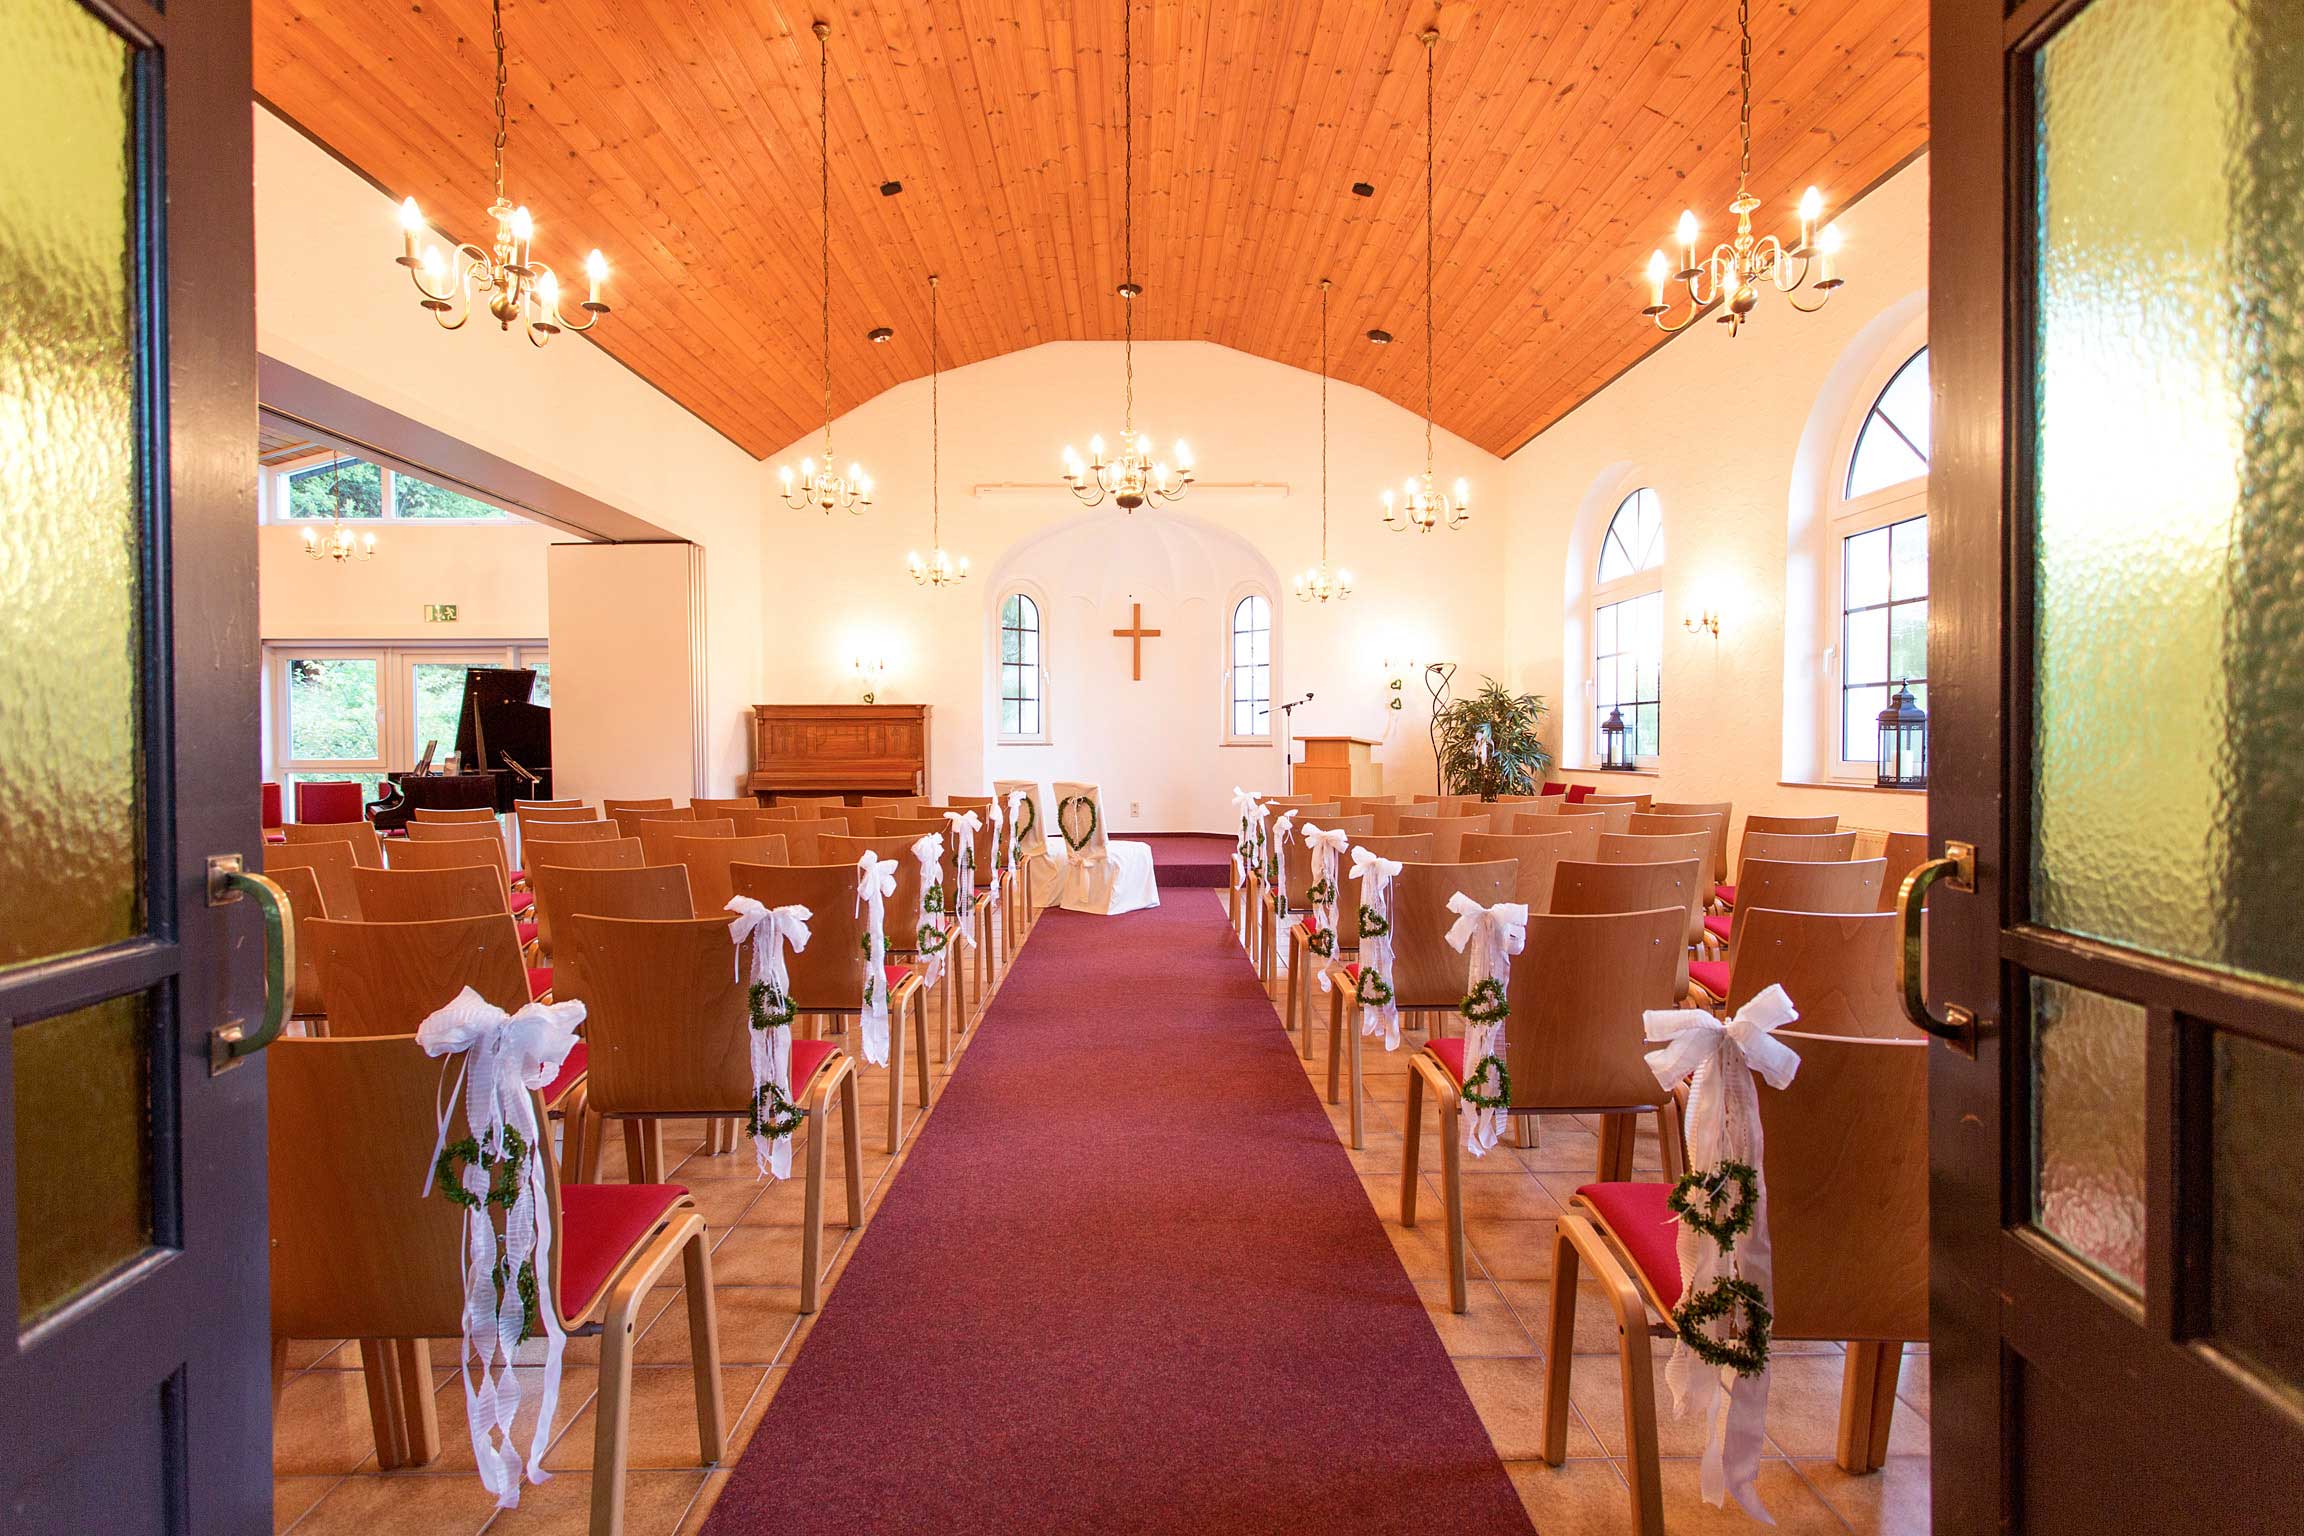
x: 503, y: 743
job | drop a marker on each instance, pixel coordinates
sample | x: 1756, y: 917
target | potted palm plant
x: 1491, y: 743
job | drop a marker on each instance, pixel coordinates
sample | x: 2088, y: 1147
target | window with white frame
x: 1880, y: 533
x: 340, y: 710
x: 1628, y: 626
x: 1248, y: 716
x: 1023, y: 672
x: 326, y: 485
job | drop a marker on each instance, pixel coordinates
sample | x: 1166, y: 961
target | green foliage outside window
x: 314, y: 492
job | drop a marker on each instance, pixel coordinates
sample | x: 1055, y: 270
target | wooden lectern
x: 1336, y: 766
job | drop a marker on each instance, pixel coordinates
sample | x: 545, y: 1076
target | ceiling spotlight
x: 1362, y: 189
x: 891, y: 188
x: 1381, y: 338
x: 880, y: 333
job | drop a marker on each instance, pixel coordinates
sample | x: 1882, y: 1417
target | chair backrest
x: 629, y: 820
x: 902, y: 908
x: 469, y: 813
x: 774, y: 813
x: 1401, y: 847
x: 455, y: 831
x: 1296, y: 862
x: 420, y: 895
x: 529, y: 812
x: 1582, y: 832
x: 1446, y: 832
x: 1806, y: 826
x: 1794, y: 848
x: 1533, y: 805
x: 1637, y: 802
x: 833, y: 803
x: 269, y: 801
x: 1362, y: 805
x: 1576, y: 1039
x: 1537, y: 853
x: 1066, y: 812
x: 611, y: 807
x: 1852, y: 885
x: 968, y: 802
x: 827, y: 976
x: 929, y: 819
x: 666, y: 1013
x: 804, y: 840
x: 1904, y: 853
x: 1723, y: 809
x: 914, y: 822
x: 386, y: 978
x: 589, y: 853
x: 455, y: 853
x: 1612, y: 818
x: 1389, y: 817
x: 533, y: 832
x: 1713, y: 824
x: 708, y: 809
x: 658, y: 837
x: 1847, y: 1143
x: 634, y: 891
x: 1667, y: 848
x: 331, y: 865
x: 331, y: 800
x: 708, y: 860
x: 1426, y: 973
x: 359, y: 836
x: 1582, y: 889
x: 304, y: 904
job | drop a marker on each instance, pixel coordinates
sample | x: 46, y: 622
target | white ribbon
x: 1276, y: 870
x: 770, y: 929
x: 1017, y: 800
x: 1251, y: 826
x: 929, y: 851
x: 965, y: 826
x: 1375, y: 874
x: 999, y: 825
x: 1717, y: 1060
x: 875, y: 883
x: 1328, y: 850
x: 507, y: 1058
x: 1488, y: 938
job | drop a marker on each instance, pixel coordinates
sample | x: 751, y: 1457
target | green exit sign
x: 439, y: 613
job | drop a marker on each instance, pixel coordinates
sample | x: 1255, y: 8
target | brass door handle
x: 230, y: 1045
x: 1959, y: 866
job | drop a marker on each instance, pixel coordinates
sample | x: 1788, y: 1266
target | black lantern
x: 1615, y: 752
x: 1903, y: 742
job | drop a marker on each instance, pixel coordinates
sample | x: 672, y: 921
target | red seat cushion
x: 1577, y: 793
x: 1305, y: 924
x: 599, y: 1225
x: 896, y: 974
x: 523, y: 900
x: 1644, y: 1226
x: 1711, y: 975
x: 1726, y: 893
x: 526, y: 930
x: 1352, y: 969
x: 571, y: 1070
x: 807, y: 1057
x: 1720, y: 925
x: 1554, y: 789
x: 539, y: 980
x: 330, y: 801
x: 1450, y: 1050
x: 271, y: 804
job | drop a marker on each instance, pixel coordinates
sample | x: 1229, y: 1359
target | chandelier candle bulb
x: 1811, y: 209
x: 1687, y: 234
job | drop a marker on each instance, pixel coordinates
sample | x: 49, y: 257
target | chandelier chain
x: 1744, y: 92
x: 935, y: 431
x: 1431, y: 44
x: 496, y: 34
x: 824, y: 208
x: 1128, y: 213
x: 1323, y: 423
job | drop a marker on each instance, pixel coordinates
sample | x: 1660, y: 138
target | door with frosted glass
x: 2117, y: 686
x: 133, y: 1375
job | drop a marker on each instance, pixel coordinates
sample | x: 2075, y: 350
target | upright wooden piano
x: 839, y: 749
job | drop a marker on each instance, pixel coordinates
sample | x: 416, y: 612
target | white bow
x: 929, y: 850
x: 1328, y: 850
x: 875, y: 883
x: 1375, y: 874
x: 1017, y: 798
x: 1249, y: 856
x: 1488, y: 937
x: 965, y: 825
x: 1717, y: 1060
x: 506, y: 1059
x: 1336, y: 841
x: 770, y: 929
x: 999, y: 825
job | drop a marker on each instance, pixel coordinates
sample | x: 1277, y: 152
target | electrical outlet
x: 1135, y: 808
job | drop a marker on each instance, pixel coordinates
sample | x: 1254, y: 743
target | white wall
x: 836, y: 586
x: 623, y: 692
x: 329, y: 300
x: 1727, y: 431
x: 492, y: 572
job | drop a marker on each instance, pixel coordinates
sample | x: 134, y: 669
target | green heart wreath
x: 1475, y: 1090
x: 1695, y: 1199
x: 1322, y: 942
x: 1373, y: 924
x: 1321, y: 892
x: 1373, y: 991
x: 773, y: 1115
x: 526, y: 1282
x: 503, y: 1172
x: 1485, y: 1003
x: 1027, y: 818
x: 1745, y: 1349
x: 771, y: 1007
x: 932, y: 899
x: 931, y: 939
x: 1082, y: 841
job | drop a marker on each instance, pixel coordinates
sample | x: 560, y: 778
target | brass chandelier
x: 341, y: 544
x: 1131, y: 476
x: 823, y: 486
x: 1735, y: 269
x: 941, y: 568
x: 507, y: 278
x: 1318, y: 584
x: 1423, y: 505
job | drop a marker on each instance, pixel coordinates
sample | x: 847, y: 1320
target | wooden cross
x: 1136, y: 634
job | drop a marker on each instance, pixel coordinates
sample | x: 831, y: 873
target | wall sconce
x: 870, y: 670
x: 1704, y: 621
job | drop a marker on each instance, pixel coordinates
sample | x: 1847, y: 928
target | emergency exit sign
x: 439, y: 613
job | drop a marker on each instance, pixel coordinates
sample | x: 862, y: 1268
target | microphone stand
x: 1288, y: 742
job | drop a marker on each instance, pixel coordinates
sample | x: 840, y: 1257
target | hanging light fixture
x: 507, y: 277
x: 341, y: 544
x: 1131, y: 476
x: 941, y: 568
x: 1317, y: 584
x: 823, y: 486
x: 1423, y: 505
x: 1733, y: 272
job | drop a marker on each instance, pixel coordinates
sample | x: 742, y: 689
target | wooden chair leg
x: 1452, y: 1198
x: 1352, y: 1039
x: 1669, y: 1146
x: 896, y: 1081
x: 1642, y: 1472
x: 595, y: 1142
x: 1295, y: 973
x: 635, y: 1166
x: 420, y: 1405
x: 612, y: 1409
x: 704, y: 1347
x: 920, y: 1042
x: 279, y: 1371
x: 852, y: 1142
x: 1867, y: 1404
x: 1615, y: 1164
x: 812, y: 1213
x: 380, y: 1372
x: 1411, y: 1151
x: 1560, y: 1350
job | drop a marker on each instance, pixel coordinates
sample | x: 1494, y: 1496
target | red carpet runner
x: 1127, y: 1282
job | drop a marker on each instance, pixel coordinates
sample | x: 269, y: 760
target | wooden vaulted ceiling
x: 681, y: 139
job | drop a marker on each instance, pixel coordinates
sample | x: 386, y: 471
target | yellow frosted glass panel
x: 71, y: 789
x: 83, y: 1124
x: 2088, y: 1126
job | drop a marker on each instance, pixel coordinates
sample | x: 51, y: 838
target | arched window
x: 1880, y: 531
x: 1250, y: 715
x: 1023, y: 672
x: 1628, y: 625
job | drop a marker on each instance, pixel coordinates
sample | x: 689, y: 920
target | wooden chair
x: 1657, y: 848
x: 1585, y: 890
x: 330, y: 800
x: 533, y: 832
x: 833, y: 803
x: 367, y: 848
x: 302, y: 886
x: 526, y: 811
x: 1724, y: 809
x: 658, y: 893
x: 453, y: 831
x: 459, y: 853
x: 657, y: 837
x: 771, y: 813
x: 1845, y: 1155
x: 1796, y: 848
x: 1428, y: 976
x: 1637, y: 802
x: 828, y: 976
x: 1713, y: 824
x: 1575, y: 1044
x: 358, y: 1251
x: 668, y: 1019
x: 710, y: 810
x: 629, y: 821
x: 468, y: 813
x: 1539, y: 855
x: 1851, y: 885
x: 331, y: 866
x: 804, y: 840
x: 1363, y: 805
x: 1582, y: 832
x: 1766, y: 826
x: 1447, y: 834
x: 420, y: 895
x: 903, y: 928
x: 1258, y: 887
x: 1532, y: 805
x: 587, y: 853
x: 1903, y: 853
x: 609, y: 808
x: 1612, y: 818
x: 1296, y: 870
x: 708, y: 860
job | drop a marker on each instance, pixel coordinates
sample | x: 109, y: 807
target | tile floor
x: 326, y: 1480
